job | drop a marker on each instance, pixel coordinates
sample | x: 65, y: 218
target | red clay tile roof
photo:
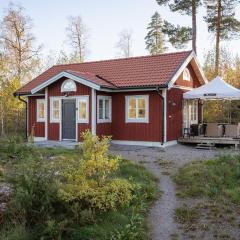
x: 143, y: 71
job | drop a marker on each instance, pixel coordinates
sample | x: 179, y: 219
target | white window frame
x: 137, y: 119
x: 44, y: 107
x: 71, y: 90
x: 193, y: 112
x: 186, y: 75
x: 105, y: 120
x: 52, y: 119
x: 79, y: 99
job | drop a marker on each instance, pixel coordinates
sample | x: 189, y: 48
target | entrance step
x: 206, y: 146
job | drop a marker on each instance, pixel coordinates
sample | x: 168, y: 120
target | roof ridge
x: 128, y: 58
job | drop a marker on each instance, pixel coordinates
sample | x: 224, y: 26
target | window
x: 137, y: 108
x: 193, y: 109
x: 40, y: 110
x: 68, y: 86
x: 55, y: 109
x: 186, y: 74
x: 104, y: 109
x: 83, y: 109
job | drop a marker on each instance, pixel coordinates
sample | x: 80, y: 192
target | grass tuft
x: 217, y: 178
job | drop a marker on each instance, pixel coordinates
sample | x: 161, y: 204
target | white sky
x: 105, y: 19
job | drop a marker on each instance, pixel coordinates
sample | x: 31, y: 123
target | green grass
x: 125, y: 223
x: 217, y: 179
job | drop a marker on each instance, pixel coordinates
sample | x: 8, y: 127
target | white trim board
x: 144, y: 143
x: 67, y: 75
x: 93, y: 110
x: 39, y: 139
x: 182, y: 87
x: 46, y: 113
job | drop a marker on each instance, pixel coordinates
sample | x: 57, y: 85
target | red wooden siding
x: 39, y: 127
x: 55, y: 90
x: 174, y: 114
x: 103, y: 129
x: 118, y: 128
x: 137, y: 131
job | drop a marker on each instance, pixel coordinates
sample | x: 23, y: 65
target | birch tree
x: 125, y: 44
x: 77, y: 34
x: 17, y: 44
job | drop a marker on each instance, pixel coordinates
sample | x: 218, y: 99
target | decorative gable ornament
x: 68, y: 86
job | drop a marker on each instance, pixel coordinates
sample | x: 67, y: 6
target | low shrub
x: 75, y: 193
x: 90, y: 181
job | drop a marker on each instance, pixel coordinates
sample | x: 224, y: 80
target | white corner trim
x: 104, y: 97
x: 27, y: 120
x: 39, y: 139
x: 136, y: 120
x: 94, y: 110
x: 183, y: 66
x: 46, y: 113
x: 79, y: 99
x: 164, y: 94
x: 67, y: 75
x: 40, y: 100
x: 170, y: 143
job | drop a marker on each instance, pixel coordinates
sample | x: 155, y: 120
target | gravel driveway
x: 162, y: 163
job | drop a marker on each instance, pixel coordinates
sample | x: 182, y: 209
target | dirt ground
x: 205, y: 219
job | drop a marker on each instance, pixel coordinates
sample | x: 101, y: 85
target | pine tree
x: 188, y: 7
x: 222, y: 23
x: 178, y: 35
x: 155, y: 39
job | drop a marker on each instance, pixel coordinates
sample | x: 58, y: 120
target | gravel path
x: 162, y: 163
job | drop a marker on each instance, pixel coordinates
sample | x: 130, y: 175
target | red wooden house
x: 136, y: 100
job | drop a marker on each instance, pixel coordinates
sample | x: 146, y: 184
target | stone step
x: 207, y: 146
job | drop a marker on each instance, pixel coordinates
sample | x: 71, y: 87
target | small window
x: 40, y: 110
x: 137, y: 108
x: 68, y: 86
x: 186, y: 74
x: 83, y: 109
x: 104, y: 109
x: 55, y: 109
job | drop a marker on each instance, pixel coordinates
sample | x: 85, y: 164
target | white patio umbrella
x: 215, y: 89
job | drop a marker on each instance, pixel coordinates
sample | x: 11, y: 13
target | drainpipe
x: 25, y: 102
x: 163, y: 113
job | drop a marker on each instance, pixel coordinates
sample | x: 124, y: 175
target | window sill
x: 137, y: 121
x: 40, y: 120
x: 104, y: 121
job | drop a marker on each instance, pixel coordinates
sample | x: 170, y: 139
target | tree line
x: 21, y: 58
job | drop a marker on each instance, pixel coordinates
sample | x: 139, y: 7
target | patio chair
x: 232, y: 130
x: 214, y: 130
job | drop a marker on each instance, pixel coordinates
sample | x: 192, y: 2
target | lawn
x: 209, y: 192
x: 126, y: 221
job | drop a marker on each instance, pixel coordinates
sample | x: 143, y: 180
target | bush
x: 90, y: 182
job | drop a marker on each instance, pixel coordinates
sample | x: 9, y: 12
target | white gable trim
x: 67, y: 75
x: 183, y: 66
